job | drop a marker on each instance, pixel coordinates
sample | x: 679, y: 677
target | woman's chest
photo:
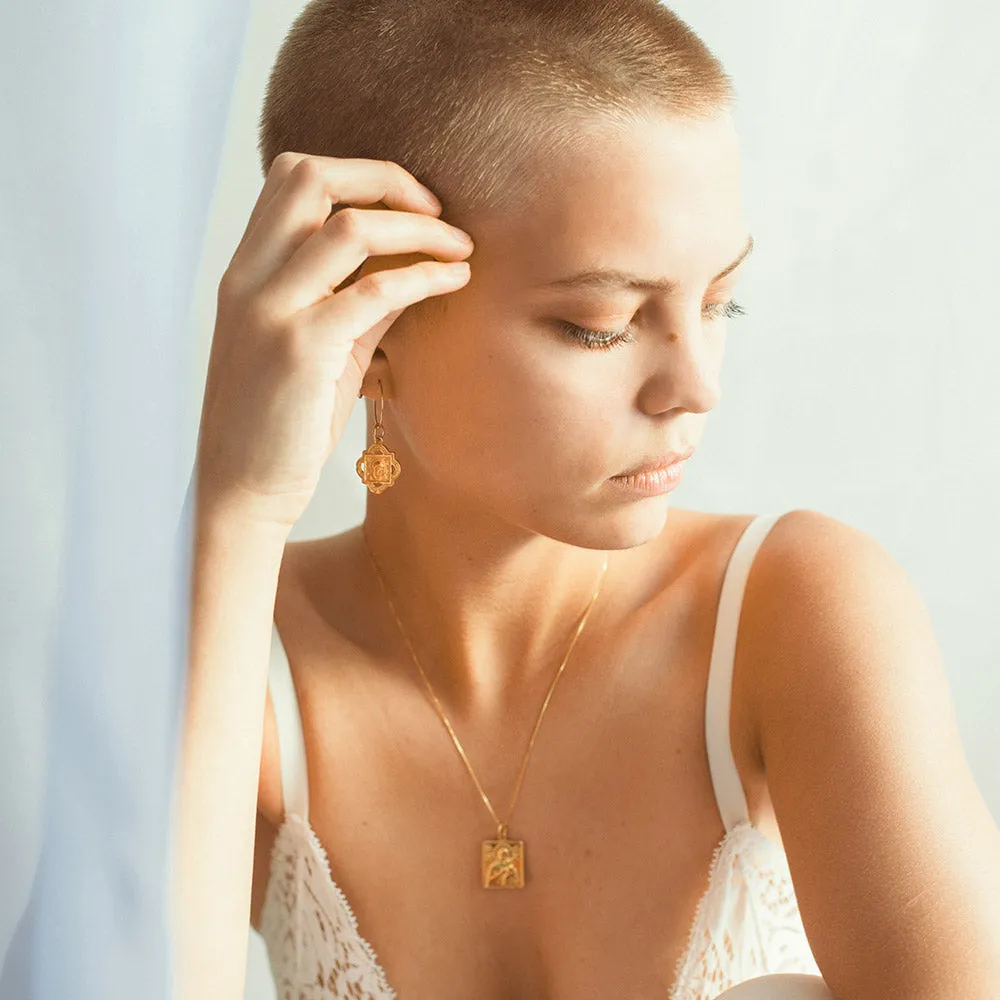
x: 617, y: 816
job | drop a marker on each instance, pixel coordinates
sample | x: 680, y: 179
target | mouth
x: 655, y: 476
x: 657, y: 465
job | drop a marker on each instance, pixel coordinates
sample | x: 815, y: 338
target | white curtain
x: 113, y: 117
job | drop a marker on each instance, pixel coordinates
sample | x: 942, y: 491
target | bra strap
x: 725, y: 777
x: 291, y: 742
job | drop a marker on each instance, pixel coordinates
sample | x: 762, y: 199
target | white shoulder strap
x: 725, y: 777
x: 291, y: 743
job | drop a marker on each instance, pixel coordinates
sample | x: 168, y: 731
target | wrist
x: 241, y: 516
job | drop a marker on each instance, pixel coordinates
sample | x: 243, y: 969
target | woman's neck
x: 488, y: 606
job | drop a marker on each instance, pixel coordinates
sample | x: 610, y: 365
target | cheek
x: 511, y: 409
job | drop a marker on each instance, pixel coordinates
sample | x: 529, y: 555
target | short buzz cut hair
x: 461, y: 93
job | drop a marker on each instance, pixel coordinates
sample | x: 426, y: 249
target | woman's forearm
x: 235, y: 564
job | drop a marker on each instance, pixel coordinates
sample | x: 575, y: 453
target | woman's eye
x: 603, y: 340
x: 729, y: 309
x: 600, y: 340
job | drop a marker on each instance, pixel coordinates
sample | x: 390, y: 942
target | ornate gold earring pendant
x: 377, y: 466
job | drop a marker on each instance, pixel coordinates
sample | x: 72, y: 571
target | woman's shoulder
x: 804, y: 559
x: 797, y: 538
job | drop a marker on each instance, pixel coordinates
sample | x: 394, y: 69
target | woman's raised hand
x: 290, y: 347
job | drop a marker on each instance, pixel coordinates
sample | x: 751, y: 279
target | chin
x: 638, y: 523
x: 608, y: 527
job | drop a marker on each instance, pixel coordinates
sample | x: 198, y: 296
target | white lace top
x: 746, y: 924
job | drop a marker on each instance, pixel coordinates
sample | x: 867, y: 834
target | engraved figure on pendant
x: 503, y: 862
x: 378, y: 467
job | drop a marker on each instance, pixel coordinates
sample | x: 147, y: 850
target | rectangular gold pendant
x: 503, y: 864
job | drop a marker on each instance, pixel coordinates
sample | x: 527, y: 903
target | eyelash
x: 604, y: 340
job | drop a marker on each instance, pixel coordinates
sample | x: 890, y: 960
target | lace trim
x: 699, y: 914
x: 320, y: 852
x: 747, y: 921
x: 757, y: 894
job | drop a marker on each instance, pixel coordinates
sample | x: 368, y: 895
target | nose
x: 683, y: 366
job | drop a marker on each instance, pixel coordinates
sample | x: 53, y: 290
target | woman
x: 521, y: 591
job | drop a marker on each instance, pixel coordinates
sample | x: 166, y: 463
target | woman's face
x: 497, y: 403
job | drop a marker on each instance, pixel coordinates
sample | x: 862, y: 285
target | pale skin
x: 491, y: 541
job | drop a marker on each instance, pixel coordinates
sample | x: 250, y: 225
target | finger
x: 304, y: 200
x: 281, y: 167
x: 344, y: 242
x: 350, y: 316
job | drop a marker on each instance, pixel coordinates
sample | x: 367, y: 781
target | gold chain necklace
x: 503, y: 863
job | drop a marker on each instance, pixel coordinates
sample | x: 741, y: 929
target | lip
x: 655, y: 476
x: 658, y: 464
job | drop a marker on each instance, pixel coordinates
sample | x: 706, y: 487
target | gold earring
x: 377, y: 466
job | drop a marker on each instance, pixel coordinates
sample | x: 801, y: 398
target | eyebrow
x: 610, y: 278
